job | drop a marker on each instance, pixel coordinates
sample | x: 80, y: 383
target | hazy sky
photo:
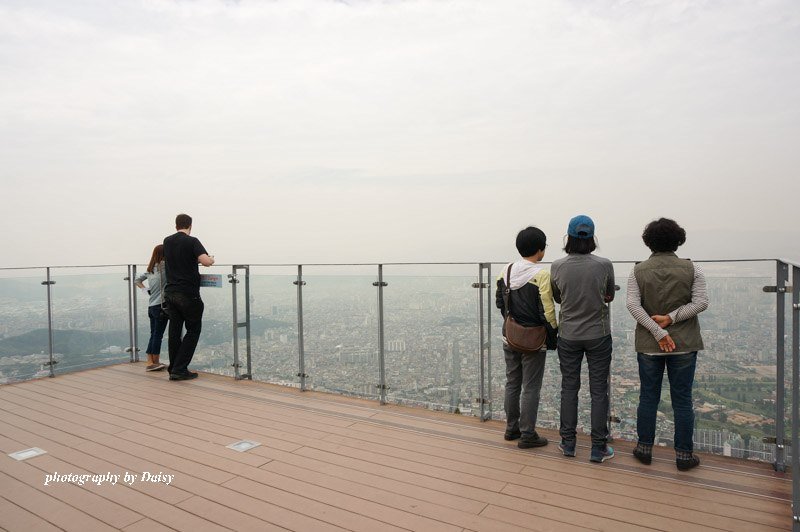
x: 338, y: 131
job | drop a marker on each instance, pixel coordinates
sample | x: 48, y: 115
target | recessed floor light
x: 27, y: 453
x: 244, y: 445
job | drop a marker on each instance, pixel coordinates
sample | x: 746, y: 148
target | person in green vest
x: 665, y: 295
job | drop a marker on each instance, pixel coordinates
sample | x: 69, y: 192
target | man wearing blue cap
x: 583, y: 283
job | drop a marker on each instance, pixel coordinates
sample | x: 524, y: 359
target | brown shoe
x: 154, y: 367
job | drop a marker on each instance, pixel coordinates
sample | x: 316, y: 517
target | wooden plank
x: 47, y: 507
x: 225, y: 516
x: 759, y: 490
x: 511, y: 518
x: 365, y: 460
x: 563, y: 494
x: 56, y: 451
x: 354, y: 406
x: 157, y: 510
x: 195, y: 468
x: 331, y: 510
x: 147, y: 525
x: 16, y: 519
x: 468, y: 492
x: 209, y: 395
x: 108, y: 512
x: 147, y: 442
x: 431, y: 507
x: 299, y: 503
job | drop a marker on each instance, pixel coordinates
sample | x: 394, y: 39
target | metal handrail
x: 452, y: 263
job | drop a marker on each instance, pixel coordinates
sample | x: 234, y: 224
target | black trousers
x: 187, y: 310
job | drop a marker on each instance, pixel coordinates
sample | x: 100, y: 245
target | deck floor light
x: 243, y: 445
x: 27, y: 453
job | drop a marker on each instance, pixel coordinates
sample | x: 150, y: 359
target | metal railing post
x: 489, y: 336
x: 247, y: 320
x: 381, y: 353
x: 610, y: 418
x: 129, y: 280
x: 49, y: 283
x: 781, y: 276
x: 232, y: 279
x: 135, y: 322
x: 300, y: 334
x: 795, y: 398
x: 480, y: 285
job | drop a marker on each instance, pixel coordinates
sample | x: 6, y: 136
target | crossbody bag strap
x: 162, y: 271
x: 507, y: 292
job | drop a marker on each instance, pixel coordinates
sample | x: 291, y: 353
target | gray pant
x: 523, y: 377
x: 598, y: 358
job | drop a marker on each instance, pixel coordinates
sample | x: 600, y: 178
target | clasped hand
x: 666, y: 344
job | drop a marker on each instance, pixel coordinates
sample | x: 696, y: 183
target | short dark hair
x: 183, y: 221
x: 581, y: 246
x: 530, y: 241
x: 663, y: 235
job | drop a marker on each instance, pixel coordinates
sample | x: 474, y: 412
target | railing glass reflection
x: 273, y: 322
x: 341, y: 329
x: 24, y: 345
x: 431, y: 339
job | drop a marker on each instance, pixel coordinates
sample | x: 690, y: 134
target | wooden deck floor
x: 332, y: 463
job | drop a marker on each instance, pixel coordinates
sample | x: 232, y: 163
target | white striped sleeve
x: 634, y: 304
x: 699, y: 300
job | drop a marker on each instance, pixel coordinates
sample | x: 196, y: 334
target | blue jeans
x: 157, y: 328
x: 524, y: 372
x: 598, y: 358
x: 680, y: 371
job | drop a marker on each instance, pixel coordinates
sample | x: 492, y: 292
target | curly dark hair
x: 663, y: 235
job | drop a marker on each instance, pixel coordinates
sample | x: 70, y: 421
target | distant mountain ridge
x: 67, y: 342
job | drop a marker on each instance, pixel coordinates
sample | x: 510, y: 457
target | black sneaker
x: 526, y: 442
x: 183, y: 376
x: 512, y: 435
x: 687, y: 464
x: 643, y: 457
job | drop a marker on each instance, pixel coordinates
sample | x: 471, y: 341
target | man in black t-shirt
x: 182, y: 253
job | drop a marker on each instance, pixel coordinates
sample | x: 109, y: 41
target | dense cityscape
x: 432, y: 347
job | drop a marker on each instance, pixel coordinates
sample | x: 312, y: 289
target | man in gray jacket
x: 583, y: 284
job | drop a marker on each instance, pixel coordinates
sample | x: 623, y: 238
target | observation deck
x: 327, y: 462
x: 375, y: 392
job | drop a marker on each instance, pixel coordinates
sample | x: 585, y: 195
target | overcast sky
x: 339, y: 131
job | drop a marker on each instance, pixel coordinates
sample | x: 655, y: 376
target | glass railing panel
x: 432, y: 347
x: 24, y: 344
x: 341, y: 329
x: 273, y: 323
x: 90, y: 317
x: 143, y: 321
x: 214, y: 351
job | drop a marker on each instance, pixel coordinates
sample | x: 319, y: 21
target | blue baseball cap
x: 581, y: 227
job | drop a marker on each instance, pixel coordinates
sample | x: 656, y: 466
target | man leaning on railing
x: 182, y: 253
